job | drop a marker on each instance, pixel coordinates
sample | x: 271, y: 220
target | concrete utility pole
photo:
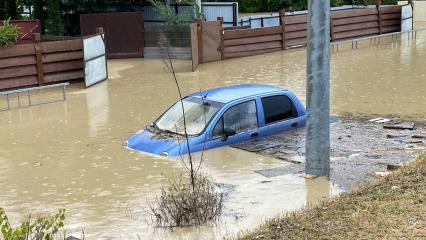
x: 318, y: 89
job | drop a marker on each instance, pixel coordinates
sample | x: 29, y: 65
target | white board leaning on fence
x: 95, y: 67
x: 406, y: 18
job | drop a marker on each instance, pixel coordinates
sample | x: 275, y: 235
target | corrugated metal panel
x: 211, y: 10
x: 226, y: 10
x: 271, y: 20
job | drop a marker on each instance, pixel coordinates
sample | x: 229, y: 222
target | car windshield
x: 198, y: 113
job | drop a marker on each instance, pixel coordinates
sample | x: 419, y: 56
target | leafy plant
x: 181, y: 205
x: 183, y: 17
x: 8, y: 33
x: 42, y: 228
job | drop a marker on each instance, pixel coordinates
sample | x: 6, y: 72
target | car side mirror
x: 228, y: 132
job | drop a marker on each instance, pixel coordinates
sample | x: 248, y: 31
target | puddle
x: 69, y: 154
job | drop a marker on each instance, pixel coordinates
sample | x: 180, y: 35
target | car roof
x: 232, y: 93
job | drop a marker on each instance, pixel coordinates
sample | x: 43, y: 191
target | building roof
x: 232, y: 93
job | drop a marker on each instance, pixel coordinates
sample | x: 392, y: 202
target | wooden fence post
x: 379, y: 14
x: 282, y: 23
x: 331, y: 28
x: 200, y: 39
x: 220, y: 19
x: 39, y: 58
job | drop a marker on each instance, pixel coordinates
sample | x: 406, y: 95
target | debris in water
x: 419, y: 136
x: 309, y: 176
x: 395, y: 136
x: 400, y: 126
x: 379, y: 120
x: 382, y: 174
x: 391, y: 167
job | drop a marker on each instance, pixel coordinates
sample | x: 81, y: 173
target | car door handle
x: 295, y: 124
x: 255, y: 134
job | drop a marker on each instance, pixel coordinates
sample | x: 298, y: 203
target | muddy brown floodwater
x: 69, y: 154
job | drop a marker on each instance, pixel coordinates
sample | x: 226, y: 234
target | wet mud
x: 359, y: 149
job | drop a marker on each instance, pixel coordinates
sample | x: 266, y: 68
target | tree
x: 10, y: 9
x: 2, y: 14
x: 38, y: 12
x: 54, y: 24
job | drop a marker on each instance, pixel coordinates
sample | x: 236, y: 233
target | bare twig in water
x: 182, y: 204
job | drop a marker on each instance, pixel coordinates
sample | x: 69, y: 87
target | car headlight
x: 126, y: 143
x: 164, y: 154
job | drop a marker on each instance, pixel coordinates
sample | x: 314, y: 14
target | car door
x: 242, y: 118
x: 278, y: 114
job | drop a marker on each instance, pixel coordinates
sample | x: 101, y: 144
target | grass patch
x: 393, y: 207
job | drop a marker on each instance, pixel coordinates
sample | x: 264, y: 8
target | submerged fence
x: 43, y: 62
x: 291, y: 32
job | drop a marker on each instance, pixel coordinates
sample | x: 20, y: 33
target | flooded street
x: 70, y: 154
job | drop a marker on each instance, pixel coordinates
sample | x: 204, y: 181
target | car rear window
x: 278, y: 108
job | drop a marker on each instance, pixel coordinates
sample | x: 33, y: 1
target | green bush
x: 8, y: 33
x: 183, y: 204
x: 183, y: 18
x: 42, y: 228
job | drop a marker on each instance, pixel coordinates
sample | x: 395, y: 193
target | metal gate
x: 206, y: 42
x: 211, y: 41
x: 95, y: 66
x: 124, y: 32
x: 406, y: 18
x: 194, y: 46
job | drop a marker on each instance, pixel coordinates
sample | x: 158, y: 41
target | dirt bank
x: 359, y: 149
x: 387, y: 208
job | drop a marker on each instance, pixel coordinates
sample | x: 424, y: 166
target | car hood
x: 158, y: 144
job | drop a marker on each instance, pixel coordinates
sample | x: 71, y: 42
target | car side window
x: 242, y: 117
x: 218, y: 129
x: 277, y: 108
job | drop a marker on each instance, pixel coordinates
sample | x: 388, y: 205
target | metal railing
x: 376, y: 38
x: 28, y: 91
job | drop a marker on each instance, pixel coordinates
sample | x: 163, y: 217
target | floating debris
x: 395, y: 136
x: 309, y: 176
x: 401, y: 126
x: 419, y: 136
x: 379, y: 120
x: 391, y: 167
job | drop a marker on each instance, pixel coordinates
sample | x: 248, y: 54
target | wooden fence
x: 355, y: 23
x: 293, y: 32
x: 240, y: 43
x: 41, y: 63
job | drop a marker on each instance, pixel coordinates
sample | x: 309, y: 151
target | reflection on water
x: 70, y: 155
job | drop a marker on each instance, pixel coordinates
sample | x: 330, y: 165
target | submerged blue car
x: 219, y: 117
